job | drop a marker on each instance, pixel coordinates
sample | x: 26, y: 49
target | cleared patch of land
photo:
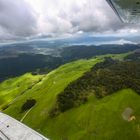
x: 127, y: 113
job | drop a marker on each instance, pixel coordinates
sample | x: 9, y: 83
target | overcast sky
x: 28, y: 18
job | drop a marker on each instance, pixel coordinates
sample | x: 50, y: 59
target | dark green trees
x: 104, y: 79
x: 28, y: 104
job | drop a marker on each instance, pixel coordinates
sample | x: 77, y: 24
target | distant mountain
x: 84, y: 39
x: 17, y: 60
x: 120, y: 42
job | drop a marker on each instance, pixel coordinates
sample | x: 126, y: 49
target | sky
x: 26, y: 19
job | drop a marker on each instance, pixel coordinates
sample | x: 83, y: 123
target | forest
x: 103, y: 79
x: 40, y: 64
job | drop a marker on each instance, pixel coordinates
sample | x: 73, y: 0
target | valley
x: 22, y: 58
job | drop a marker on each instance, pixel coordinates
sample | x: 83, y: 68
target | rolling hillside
x: 45, y: 92
x: 12, y: 89
x: 98, y: 119
x: 114, y: 117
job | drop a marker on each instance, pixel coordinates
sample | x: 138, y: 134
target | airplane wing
x: 11, y: 129
x: 127, y: 10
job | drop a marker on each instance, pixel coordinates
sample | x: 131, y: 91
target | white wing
x: 127, y: 10
x: 11, y: 129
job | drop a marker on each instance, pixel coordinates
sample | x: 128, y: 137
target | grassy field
x: 116, y: 56
x: 98, y: 119
x: 45, y: 92
x: 14, y: 87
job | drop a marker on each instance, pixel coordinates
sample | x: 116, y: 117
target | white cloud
x: 17, y: 18
x: 24, y: 18
x: 74, y: 15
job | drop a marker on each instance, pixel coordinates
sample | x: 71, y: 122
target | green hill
x: 12, y: 89
x: 98, y: 119
x: 113, y: 117
x: 46, y: 91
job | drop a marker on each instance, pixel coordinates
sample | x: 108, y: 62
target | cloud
x: 75, y: 15
x: 16, y: 18
x: 25, y: 18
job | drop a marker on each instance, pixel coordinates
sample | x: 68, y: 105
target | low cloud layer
x: 26, y: 18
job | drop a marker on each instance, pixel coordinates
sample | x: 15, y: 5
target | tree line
x: 103, y: 79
